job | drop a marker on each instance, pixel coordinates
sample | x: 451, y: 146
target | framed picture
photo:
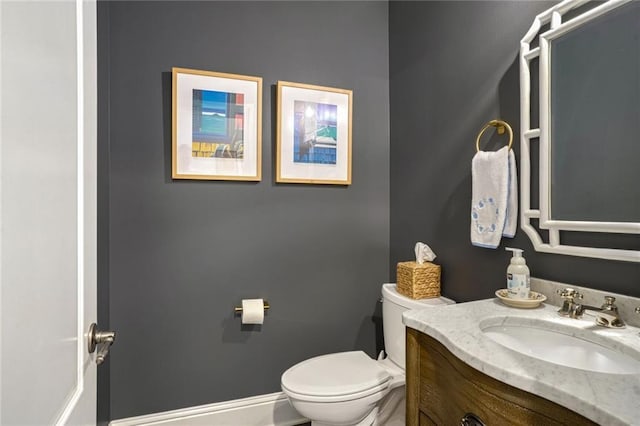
x: 314, y: 134
x: 216, y: 125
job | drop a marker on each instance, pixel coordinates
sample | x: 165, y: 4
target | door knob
x: 102, y: 340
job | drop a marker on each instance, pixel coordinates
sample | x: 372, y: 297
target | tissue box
x: 418, y: 281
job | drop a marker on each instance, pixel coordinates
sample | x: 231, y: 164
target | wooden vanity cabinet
x: 442, y: 389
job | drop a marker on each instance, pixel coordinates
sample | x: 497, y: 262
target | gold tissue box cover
x: 418, y: 281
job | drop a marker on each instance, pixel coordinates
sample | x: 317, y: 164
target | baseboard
x: 263, y: 410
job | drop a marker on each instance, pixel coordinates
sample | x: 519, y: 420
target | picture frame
x: 216, y: 126
x: 313, y: 134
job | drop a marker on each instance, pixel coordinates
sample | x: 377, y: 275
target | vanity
x: 446, y: 391
x: 486, y: 363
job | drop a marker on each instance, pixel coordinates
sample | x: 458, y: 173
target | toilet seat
x: 336, y: 377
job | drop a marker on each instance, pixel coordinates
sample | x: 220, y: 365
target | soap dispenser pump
x: 518, y: 279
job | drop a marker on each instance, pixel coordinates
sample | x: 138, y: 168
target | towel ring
x: 501, y: 126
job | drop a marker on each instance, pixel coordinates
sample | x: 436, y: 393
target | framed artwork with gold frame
x: 313, y: 134
x: 216, y: 126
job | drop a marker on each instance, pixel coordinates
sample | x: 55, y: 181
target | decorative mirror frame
x: 553, y: 17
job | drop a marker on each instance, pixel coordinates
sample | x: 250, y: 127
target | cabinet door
x: 426, y: 421
x: 449, y: 389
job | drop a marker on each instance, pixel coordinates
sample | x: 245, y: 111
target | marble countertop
x: 610, y: 399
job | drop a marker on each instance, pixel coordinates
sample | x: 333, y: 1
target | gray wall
x: 453, y: 67
x: 181, y: 254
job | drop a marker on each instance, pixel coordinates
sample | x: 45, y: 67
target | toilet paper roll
x: 252, y: 311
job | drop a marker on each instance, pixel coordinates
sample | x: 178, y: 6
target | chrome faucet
x: 607, y: 315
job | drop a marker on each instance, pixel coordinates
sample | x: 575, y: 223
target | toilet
x: 351, y: 389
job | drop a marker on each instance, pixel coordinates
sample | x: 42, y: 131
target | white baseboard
x: 263, y: 410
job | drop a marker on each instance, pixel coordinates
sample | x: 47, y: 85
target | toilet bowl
x: 350, y: 388
x: 341, y: 388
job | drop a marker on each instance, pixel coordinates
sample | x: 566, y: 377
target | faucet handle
x: 638, y: 310
x: 569, y: 293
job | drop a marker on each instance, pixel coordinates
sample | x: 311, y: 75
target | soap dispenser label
x: 518, y: 286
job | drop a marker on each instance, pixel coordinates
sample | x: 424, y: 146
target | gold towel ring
x: 500, y: 125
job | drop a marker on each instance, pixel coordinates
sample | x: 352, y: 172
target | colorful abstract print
x: 218, y: 124
x: 315, y: 137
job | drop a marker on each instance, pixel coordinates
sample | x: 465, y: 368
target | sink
x: 563, y: 345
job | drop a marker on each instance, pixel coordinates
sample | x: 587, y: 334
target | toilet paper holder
x: 238, y: 309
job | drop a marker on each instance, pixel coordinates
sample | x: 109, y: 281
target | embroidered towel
x: 494, y: 197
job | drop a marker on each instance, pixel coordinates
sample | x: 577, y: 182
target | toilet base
x: 370, y: 420
x: 395, y: 417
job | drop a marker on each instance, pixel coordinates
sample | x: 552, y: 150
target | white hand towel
x: 511, y: 216
x: 494, y: 195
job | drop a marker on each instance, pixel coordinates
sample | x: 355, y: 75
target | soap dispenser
x: 518, y: 280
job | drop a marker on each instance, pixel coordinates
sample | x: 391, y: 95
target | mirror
x: 595, y: 119
x: 587, y: 141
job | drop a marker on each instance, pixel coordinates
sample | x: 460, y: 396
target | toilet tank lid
x: 389, y: 292
x: 342, y: 373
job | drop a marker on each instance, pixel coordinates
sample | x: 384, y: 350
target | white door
x: 47, y: 211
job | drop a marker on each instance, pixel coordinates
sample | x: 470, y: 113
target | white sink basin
x: 568, y: 346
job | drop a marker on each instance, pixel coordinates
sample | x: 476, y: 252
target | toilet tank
x: 393, y: 305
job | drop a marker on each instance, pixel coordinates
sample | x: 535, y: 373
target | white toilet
x: 351, y: 389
